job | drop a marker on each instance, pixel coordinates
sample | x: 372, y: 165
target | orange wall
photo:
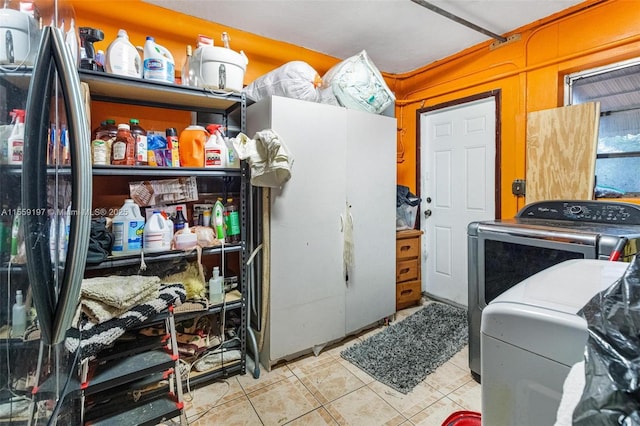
x: 175, y: 31
x: 529, y: 72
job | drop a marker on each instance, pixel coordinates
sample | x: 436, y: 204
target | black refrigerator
x: 45, y: 202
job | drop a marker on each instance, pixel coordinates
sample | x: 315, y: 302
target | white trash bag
x: 357, y: 84
x: 296, y: 79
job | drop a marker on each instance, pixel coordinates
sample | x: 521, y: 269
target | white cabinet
x: 343, y: 188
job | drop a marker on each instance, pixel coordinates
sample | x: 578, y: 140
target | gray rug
x: 406, y: 352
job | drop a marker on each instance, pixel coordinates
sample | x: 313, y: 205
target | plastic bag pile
x: 353, y: 83
x: 611, y: 395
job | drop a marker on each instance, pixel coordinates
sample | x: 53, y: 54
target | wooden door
x: 458, y: 177
x: 561, y: 152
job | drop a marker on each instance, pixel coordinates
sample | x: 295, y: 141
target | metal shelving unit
x: 144, y: 361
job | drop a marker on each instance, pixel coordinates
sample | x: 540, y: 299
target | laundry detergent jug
x: 191, y: 146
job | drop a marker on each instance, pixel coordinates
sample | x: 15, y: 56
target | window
x: 617, y: 88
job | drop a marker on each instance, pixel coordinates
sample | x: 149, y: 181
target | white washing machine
x: 531, y: 336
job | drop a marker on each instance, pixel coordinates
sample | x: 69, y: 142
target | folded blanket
x: 91, y: 338
x: 120, y: 292
x: 99, y: 312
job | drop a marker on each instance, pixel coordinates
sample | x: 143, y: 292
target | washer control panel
x: 583, y: 211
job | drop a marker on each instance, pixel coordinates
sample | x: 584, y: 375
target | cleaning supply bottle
x: 168, y: 230
x: 140, y: 136
x: 19, y: 317
x: 218, y: 220
x: 122, y: 57
x: 154, y: 236
x: 173, y: 145
x: 216, y: 287
x: 232, y: 222
x: 15, y: 143
x: 158, y: 62
x: 233, y: 161
x: 215, y: 150
x: 124, y: 147
x: 127, y: 228
x: 191, y: 146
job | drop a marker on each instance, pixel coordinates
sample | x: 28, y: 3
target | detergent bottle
x: 191, y: 146
x: 122, y: 57
x: 127, y: 228
x: 215, y: 150
x: 158, y: 62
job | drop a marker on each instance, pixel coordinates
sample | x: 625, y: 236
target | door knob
x: 427, y: 213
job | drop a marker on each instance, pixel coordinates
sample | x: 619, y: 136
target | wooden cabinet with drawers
x: 408, y: 276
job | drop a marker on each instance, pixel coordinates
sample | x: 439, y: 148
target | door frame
x: 497, y: 95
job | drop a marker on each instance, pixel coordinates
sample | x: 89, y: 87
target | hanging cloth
x: 269, y: 158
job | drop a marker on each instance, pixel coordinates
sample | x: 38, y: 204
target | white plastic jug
x: 123, y: 58
x: 127, y: 228
x: 154, y: 239
x: 158, y: 62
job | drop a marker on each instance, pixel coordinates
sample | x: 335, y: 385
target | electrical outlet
x: 518, y: 187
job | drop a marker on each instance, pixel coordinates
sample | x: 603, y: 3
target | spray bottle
x: 215, y: 150
x: 218, y: 219
x: 15, y: 143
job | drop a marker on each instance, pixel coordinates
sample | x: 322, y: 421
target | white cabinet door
x: 306, y: 285
x: 371, y: 201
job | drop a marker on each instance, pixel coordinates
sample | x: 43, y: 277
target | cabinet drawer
x: 407, y: 270
x: 408, y: 294
x: 407, y: 248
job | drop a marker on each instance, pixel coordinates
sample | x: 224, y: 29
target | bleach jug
x: 122, y: 57
x: 127, y: 228
x: 154, y: 236
x: 158, y: 62
x: 168, y: 230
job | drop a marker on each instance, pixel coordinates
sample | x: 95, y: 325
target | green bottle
x: 218, y: 219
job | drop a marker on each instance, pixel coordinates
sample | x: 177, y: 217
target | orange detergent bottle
x: 191, y: 146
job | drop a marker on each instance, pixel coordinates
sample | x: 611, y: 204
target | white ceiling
x: 398, y: 35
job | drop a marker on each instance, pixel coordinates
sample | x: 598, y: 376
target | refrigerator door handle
x: 56, y: 311
x: 34, y: 189
x: 82, y: 185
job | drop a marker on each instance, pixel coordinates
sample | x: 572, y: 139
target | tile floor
x: 328, y: 390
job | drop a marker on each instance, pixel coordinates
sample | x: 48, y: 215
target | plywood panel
x: 561, y: 152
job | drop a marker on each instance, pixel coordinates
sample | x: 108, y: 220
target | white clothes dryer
x: 530, y: 337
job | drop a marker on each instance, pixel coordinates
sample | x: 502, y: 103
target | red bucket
x: 463, y: 418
